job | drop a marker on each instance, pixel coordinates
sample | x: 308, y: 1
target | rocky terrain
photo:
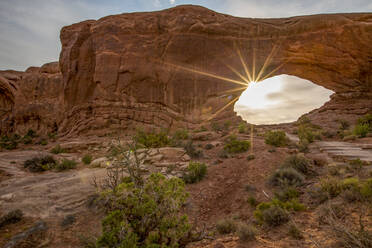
x: 151, y: 78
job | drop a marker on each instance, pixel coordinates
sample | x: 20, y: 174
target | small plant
x: 276, y: 138
x: 215, y: 126
x: 209, y: 146
x: 66, y: 164
x: 297, y: 162
x: 305, y: 133
x: 246, y: 232
x: 181, y: 134
x: 294, y: 232
x: 57, y: 149
x: 286, y: 194
x: 233, y: 145
x: 9, y: 143
x: 226, y: 226
x: 226, y: 125
x: 361, y: 130
x: 366, y: 119
x: 43, y: 142
x: 192, y: 151
x: 250, y: 157
x: 242, y: 127
x: 13, y: 216
x: 331, y: 186
x: 344, y: 125
x: 284, y: 177
x: 87, y: 159
x: 195, y: 172
x: 252, y: 201
x: 39, y: 164
x: 152, y: 139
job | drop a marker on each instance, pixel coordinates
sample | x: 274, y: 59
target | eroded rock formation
x: 135, y: 69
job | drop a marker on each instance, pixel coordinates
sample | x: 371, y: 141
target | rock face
x: 154, y: 68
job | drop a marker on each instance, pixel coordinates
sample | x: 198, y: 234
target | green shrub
x: 226, y: 125
x: 181, y: 134
x: 57, y: 149
x: 250, y: 157
x: 195, y: 172
x: 9, y: 143
x: 252, y: 201
x: 215, y: 126
x: 276, y: 138
x: 242, y: 127
x: 192, y: 151
x: 27, y: 139
x: 246, y: 232
x: 303, y: 146
x: 361, y: 130
x: 152, y: 139
x: 275, y: 212
x: 13, y: 216
x: 146, y: 216
x: 331, y: 186
x: 305, y: 133
x: 226, y: 226
x: 297, y: 162
x: 366, y: 120
x: 66, y: 164
x: 286, y: 194
x: 43, y: 142
x: 233, y: 145
x: 344, y: 125
x: 31, y: 133
x: 294, y: 232
x: 284, y: 177
x: 87, y: 159
x: 39, y: 164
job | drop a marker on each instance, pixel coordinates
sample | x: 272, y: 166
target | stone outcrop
x: 127, y: 70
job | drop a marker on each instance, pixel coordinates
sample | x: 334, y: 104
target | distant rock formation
x: 134, y: 69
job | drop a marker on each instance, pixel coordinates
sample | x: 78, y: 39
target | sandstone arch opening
x: 280, y: 99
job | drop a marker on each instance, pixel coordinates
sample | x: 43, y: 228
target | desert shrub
x: 303, y: 146
x: 146, y: 216
x: 242, y: 127
x: 252, y: 201
x: 13, y: 216
x: 209, y: 146
x: 344, y: 125
x: 246, y: 232
x: 331, y: 186
x: 191, y: 150
x: 181, y: 134
x: 305, y: 133
x: 250, y: 157
x: 226, y: 226
x: 356, y: 164
x: 366, y: 189
x: 215, y: 126
x: 297, y: 162
x: 31, y: 133
x: 66, y: 164
x: 276, y: 138
x: 234, y: 145
x: 284, y: 177
x: 318, y: 196
x: 366, y: 119
x: 87, y: 159
x: 39, y: 164
x: 349, y: 137
x: 361, y: 130
x: 287, y: 193
x: 152, y: 139
x: 57, y: 149
x: 294, y: 232
x: 223, y: 154
x: 276, y: 212
x: 43, y: 142
x: 195, y: 172
x: 9, y: 142
x: 27, y: 139
x: 226, y: 125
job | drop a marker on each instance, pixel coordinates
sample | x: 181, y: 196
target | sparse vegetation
x: 252, y: 201
x: 226, y: 226
x: 11, y: 217
x: 39, y: 164
x: 246, y: 233
x: 195, y: 172
x: 284, y: 177
x: 242, y: 128
x: 234, y: 145
x: 192, y: 151
x: 287, y: 194
x: 57, y: 149
x: 276, y: 138
x: 152, y: 139
x: 361, y: 130
x: 181, y: 134
x: 87, y: 159
x: 294, y: 232
x: 297, y: 162
x: 66, y: 164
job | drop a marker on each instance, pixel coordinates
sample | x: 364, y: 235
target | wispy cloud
x: 172, y: 1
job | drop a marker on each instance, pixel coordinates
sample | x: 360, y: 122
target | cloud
x: 172, y: 1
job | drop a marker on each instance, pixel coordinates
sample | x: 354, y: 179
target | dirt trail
x: 47, y: 194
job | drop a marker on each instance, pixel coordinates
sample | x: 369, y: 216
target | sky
x: 30, y: 28
x: 280, y: 99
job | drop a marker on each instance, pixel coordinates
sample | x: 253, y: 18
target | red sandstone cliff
x: 116, y: 72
